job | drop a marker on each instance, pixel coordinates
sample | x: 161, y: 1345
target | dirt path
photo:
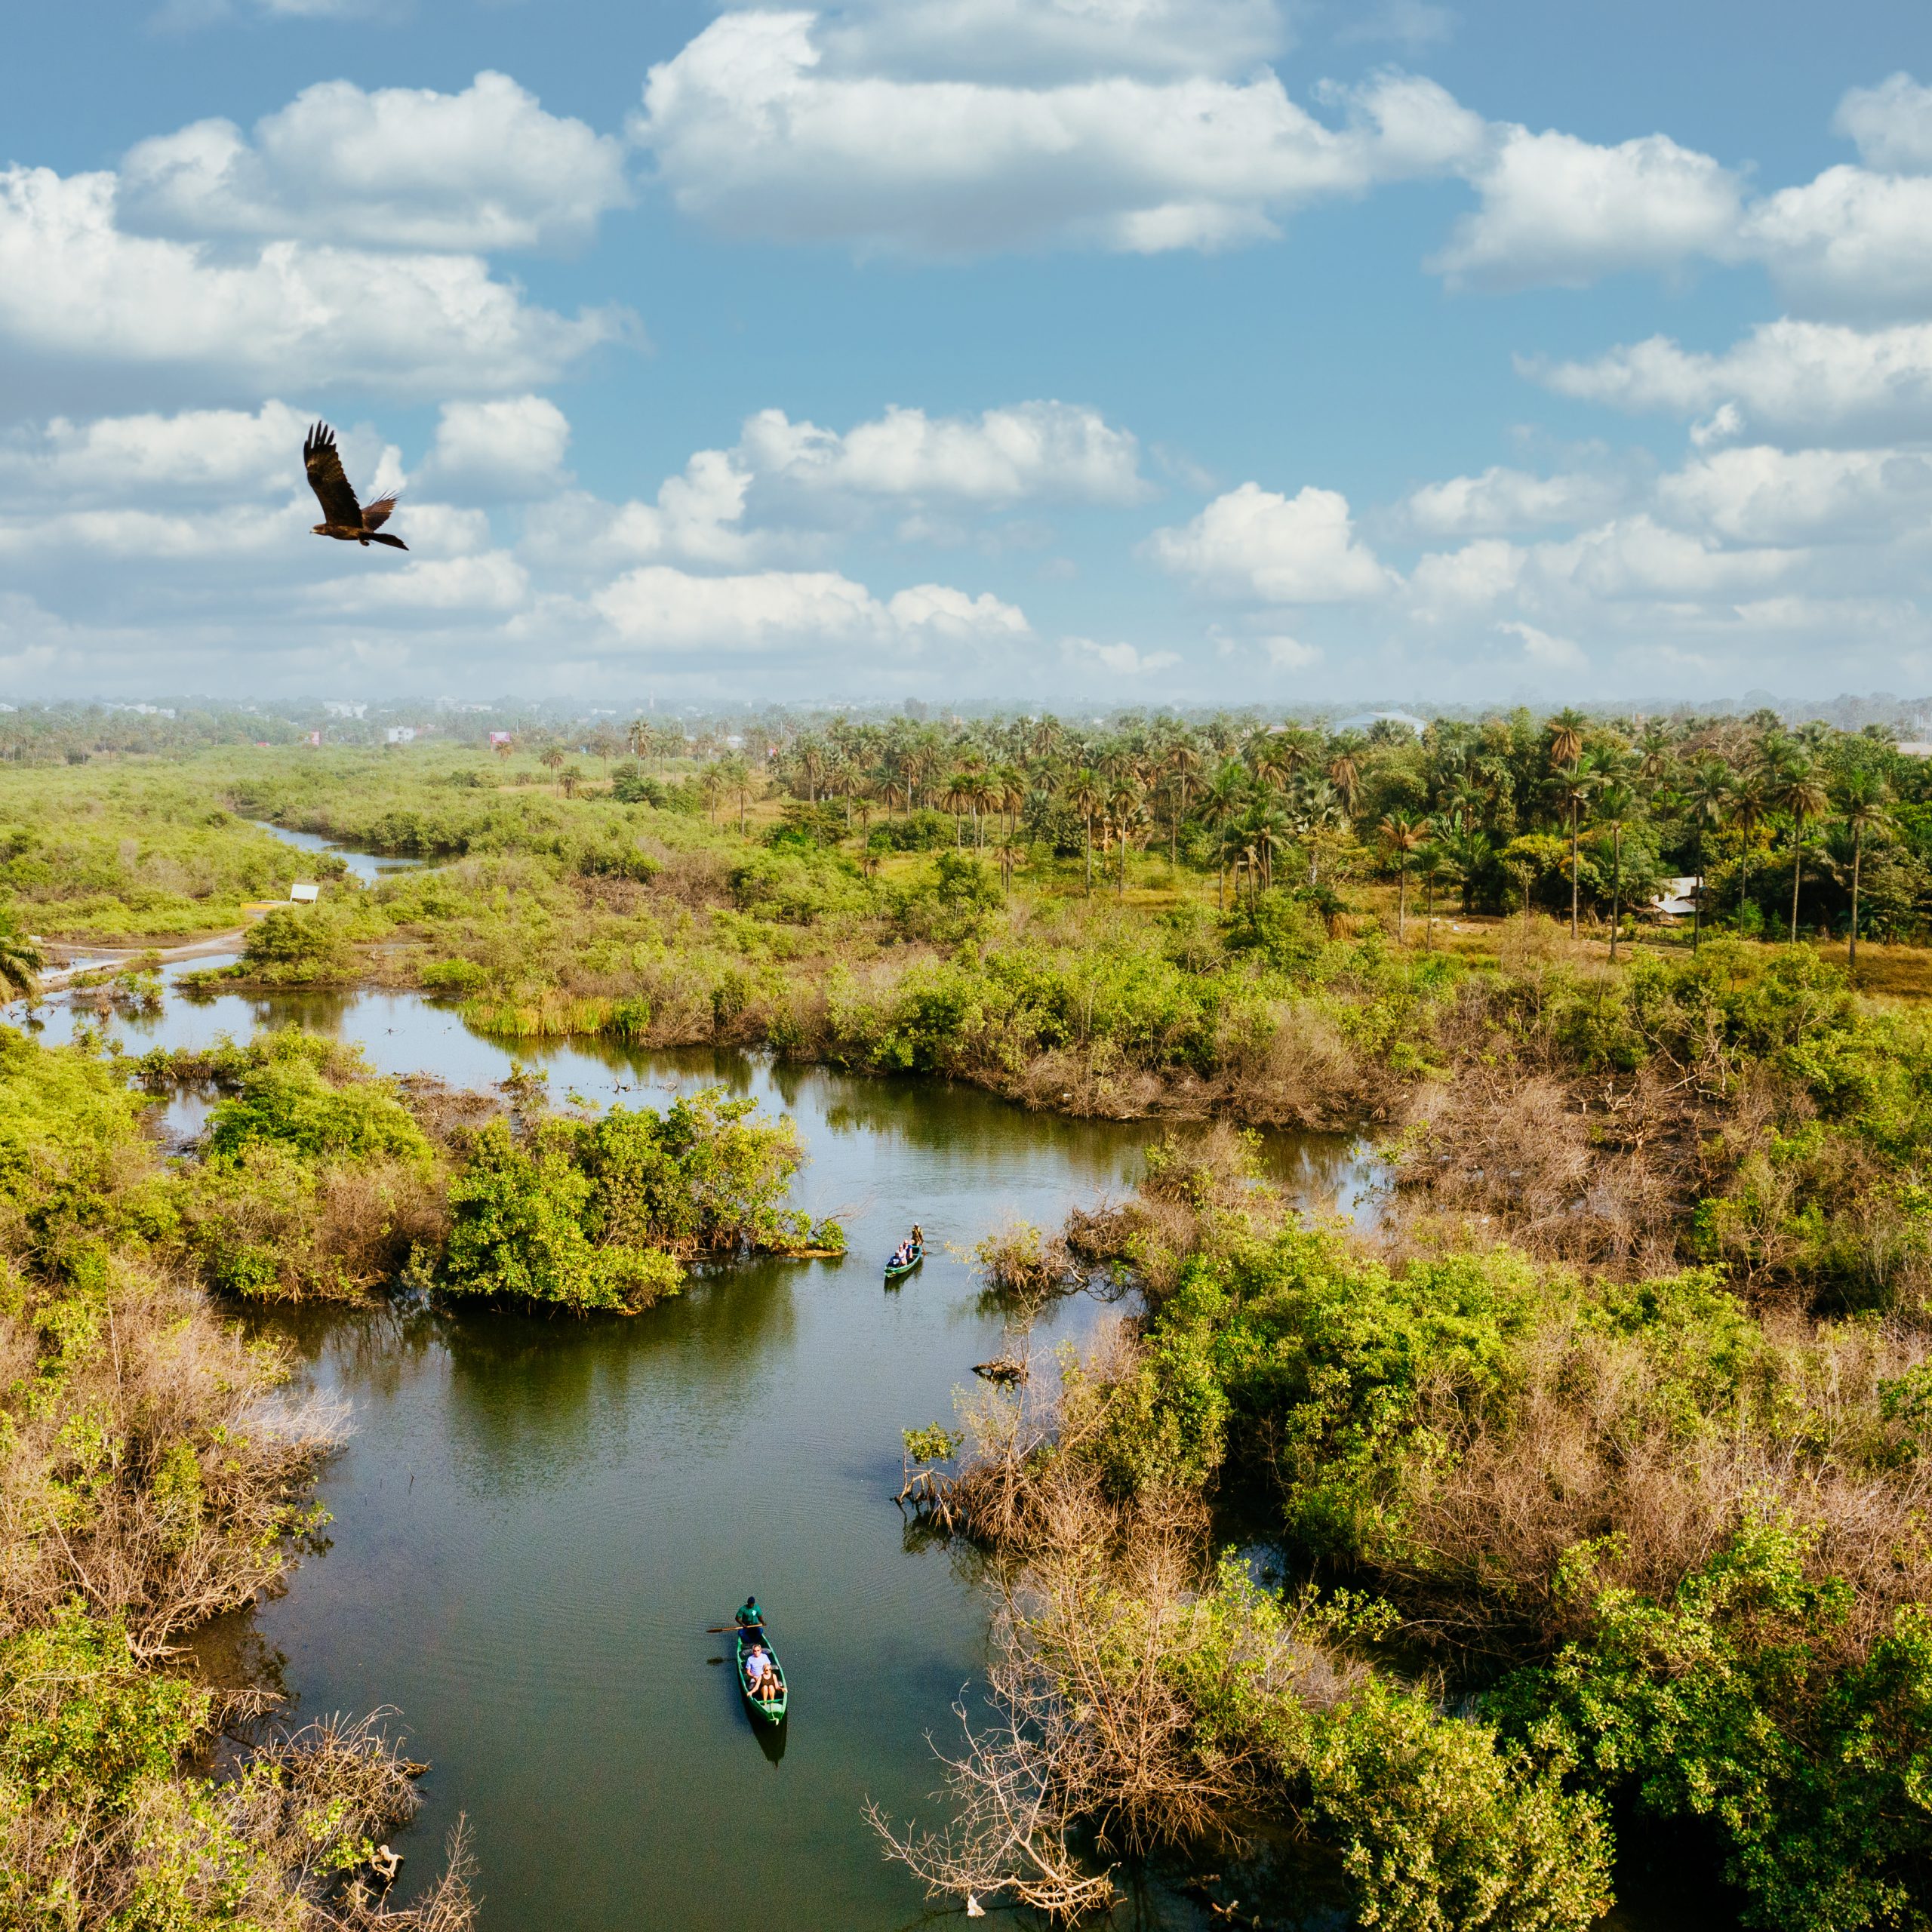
x: 99, y: 957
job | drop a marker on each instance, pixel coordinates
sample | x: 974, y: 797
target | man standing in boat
x: 750, y: 1617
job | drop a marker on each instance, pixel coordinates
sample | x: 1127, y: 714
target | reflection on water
x: 537, y: 1518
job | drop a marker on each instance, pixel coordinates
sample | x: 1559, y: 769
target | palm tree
x: 1432, y: 862
x: 1863, y: 797
x: 811, y: 769
x: 1575, y: 788
x: 987, y: 790
x: 1746, y: 808
x: 1707, y: 797
x: 1800, y: 791
x: 1654, y: 755
x: 1401, y: 835
x: 1319, y: 806
x: 1184, y: 763
x: 21, y: 959
x: 1268, y: 832
x: 1085, y: 796
x: 1566, y: 736
x: 1010, y: 855
x: 956, y: 797
x: 1345, y: 776
x: 734, y: 775
x: 1122, y: 799
x: 570, y: 777
x: 551, y: 758
x: 1222, y: 800
x: 1271, y: 758
x: 1616, y: 804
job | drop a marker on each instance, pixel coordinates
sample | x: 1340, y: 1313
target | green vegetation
x: 1607, y: 1455
x: 145, y: 1487
x: 603, y: 1213
x: 1661, y: 1544
x: 109, y: 853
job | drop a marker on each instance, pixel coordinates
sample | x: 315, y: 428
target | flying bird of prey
x: 343, y: 517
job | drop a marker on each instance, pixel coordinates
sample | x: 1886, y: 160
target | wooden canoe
x: 771, y: 1709
x: 895, y: 1270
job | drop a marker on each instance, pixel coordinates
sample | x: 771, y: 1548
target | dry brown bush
x: 1526, y: 1154
x: 150, y: 1471
x: 1289, y: 1065
x: 1594, y: 1442
x: 1090, y: 1744
x: 1022, y: 1266
x: 280, y: 1845
x: 333, y: 1233
x: 699, y: 879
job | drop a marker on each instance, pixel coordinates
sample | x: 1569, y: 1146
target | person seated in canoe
x: 901, y: 1255
x: 760, y: 1677
x: 750, y: 1617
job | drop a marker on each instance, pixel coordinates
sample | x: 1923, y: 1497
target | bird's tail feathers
x: 383, y: 537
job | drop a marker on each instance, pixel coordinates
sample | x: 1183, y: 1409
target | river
x: 535, y: 1519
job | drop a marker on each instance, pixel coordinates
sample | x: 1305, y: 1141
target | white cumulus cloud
x: 510, y: 446
x: 200, y: 455
x: 400, y: 167
x: 1825, y: 381
x: 755, y: 131
x: 1554, y: 208
x: 785, y: 485
x: 1501, y: 500
x: 1257, y: 544
x: 659, y: 608
x: 1118, y: 660
x: 1544, y: 651
x: 1891, y: 123
x: 1041, y: 449
x: 1762, y: 495
x: 1849, y: 242
x: 74, y: 287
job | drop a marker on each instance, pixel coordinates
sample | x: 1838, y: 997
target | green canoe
x: 893, y: 1270
x: 772, y: 1709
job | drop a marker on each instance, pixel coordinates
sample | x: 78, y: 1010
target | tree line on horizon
x: 1783, y: 831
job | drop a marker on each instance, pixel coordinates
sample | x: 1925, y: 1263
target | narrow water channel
x: 535, y: 1519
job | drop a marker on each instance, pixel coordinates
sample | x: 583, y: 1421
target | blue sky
x: 1148, y: 350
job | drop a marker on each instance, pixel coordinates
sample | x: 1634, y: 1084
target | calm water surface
x: 535, y: 1519
x: 366, y: 866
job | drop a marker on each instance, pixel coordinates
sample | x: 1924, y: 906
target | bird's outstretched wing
x: 375, y: 515
x: 320, y: 458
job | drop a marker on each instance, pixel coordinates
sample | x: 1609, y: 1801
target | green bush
x: 295, y: 945
x: 1735, y: 1701
x: 289, y: 1104
x: 922, y: 831
x: 596, y: 1214
x: 1444, y: 1828
x: 82, y: 1724
x: 801, y: 886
